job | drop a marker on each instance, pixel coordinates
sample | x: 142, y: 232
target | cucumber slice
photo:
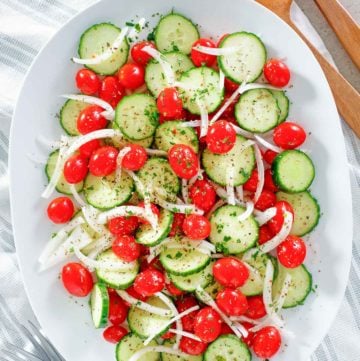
x: 183, y: 262
x: 201, y: 85
x: 154, y: 76
x: 171, y: 133
x: 212, y: 289
x: 105, y: 192
x: 227, y: 348
x: 246, y: 64
x: 283, y: 103
x: 293, y: 171
x: 306, y: 211
x: 300, y: 286
x: 116, y: 279
x: 175, y: 32
x: 257, y: 111
x: 99, y: 305
x: 69, y: 114
x: 157, y: 174
x: 97, y: 39
x: 190, y: 283
x: 217, y: 165
x: 168, y: 357
x: 62, y: 185
x: 130, y: 344
x: 151, y: 237
x: 228, y: 234
x: 144, y: 323
x: 137, y: 116
x: 255, y: 283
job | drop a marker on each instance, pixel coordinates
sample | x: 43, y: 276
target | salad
x: 185, y: 193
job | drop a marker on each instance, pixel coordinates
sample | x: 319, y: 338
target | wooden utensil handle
x: 345, y: 27
x: 346, y: 97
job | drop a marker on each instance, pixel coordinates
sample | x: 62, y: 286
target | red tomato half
x: 131, y: 76
x: 123, y: 225
x: 117, y: 309
x: 77, y: 279
x: 192, y: 347
x: 184, y: 161
x: 139, y: 55
x: 256, y: 308
x: 232, y: 302
x: 201, y: 59
x: 277, y: 221
x: 87, y: 82
x: 277, y: 73
x: 60, y: 210
x: 266, y: 342
x: 183, y: 304
x: 148, y: 282
x: 111, y: 90
x: 196, y: 227
x: 135, y: 158
x: 169, y: 103
x: 126, y: 248
x: 230, y: 272
x: 90, y: 119
x: 103, y: 161
x: 221, y: 137
x: 289, y: 135
x: 203, y: 195
x: 114, y: 334
x: 207, y: 324
x: 75, y: 168
x: 292, y: 252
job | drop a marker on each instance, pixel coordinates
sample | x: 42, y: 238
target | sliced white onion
x: 119, y: 160
x: 185, y: 334
x: 217, y: 255
x: 239, y: 193
x: 217, y: 205
x: 216, y: 51
x: 279, y: 303
x: 160, y: 153
x: 221, y: 80
x: 242, y: 132
x: 207, y: 245
x: 90, y: 214
x: 137, y: 355
x: 267, y: 145
x: 166, y: 67
x: 185, y: 190
x: 171, y: 321
x: 137, y: 29
x: 267, y: 290
x: 280, y: 237
x: 244, y: 319
x: 204, y: 119
x: 250, y: 86
x: 261, y: 173
x: 143, y: 305
x: 199, y: 174
x: 56, y: 241
x: 178, y: 208
x: 264, y: 217
x: 100, y: 245
x: 122, y: 211
x: 174, y: 310
x: 191, y: 124
x: 76, y: 195
x: 248, y: 211
x: 207, y: 299
x: 107, y: 53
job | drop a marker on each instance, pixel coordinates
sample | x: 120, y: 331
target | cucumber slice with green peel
x: 170, y: 133
x: 155, y: 78
x: 130, y: 344
x: 169, y: 357
x: 248, y: 62
x: 300, y: 285
x: 242, y: 161
x: 174, y: 32
x: 106, y: 192
x: 255, y: 283
x: 306, y: 211
x: 257, y: 111
x: 144, y: 323
x: 227, y: 348
x: 183, y: 262
x: 293, y: 171
x: 191, y: 282
x: 157, y: 174
x: 116, y: 279
x: 137, y: 116
x: 229, y: 235
x: 283, y: 103
x: 96, y: 40
x: 62, y: 185
x: 201, y: 85
x: 99, y: 305
x: 151, y: 237
x: 69, y: 114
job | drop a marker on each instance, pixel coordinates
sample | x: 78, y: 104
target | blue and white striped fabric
x: 25, y: 25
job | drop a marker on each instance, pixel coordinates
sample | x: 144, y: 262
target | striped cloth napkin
x: 25, y: 25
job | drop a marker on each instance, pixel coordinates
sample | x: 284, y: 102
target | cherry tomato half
x: 60, y: 210
x: 292, y: 252
x: 230, y: 272
x: 148, y: 282
x: 114, y: 334
x: 266, y: 342
x: 111, y: 90
x: 131, y: 291
x: 265, y: 234
x: 203, y: 195
x: 139, y: 55
x: 75, y: 168
x: 183, y: 160
x: 192, y: 347
x: 196, y: 227
x: 77, y: 279
x: 135, y: 158
x: 169, y: 103
x: 289, y: 135
x: 256, y: 308
x: 87, y: 81
x: 269, y: 156
x: 176, y: 227
x: 266, y: 200
x: 126, y: 248
x: 103, y: 161
x: 277, y: 221
x: 131, y: 76
x: 277, y: 73
x: 123, y: 225
x: 221, y: 137
x: 183, y: 304
x: 251, y: 184
x: 232, y: 302
x: 90, y: 119
x: 88, y: 148
x: 200, y: 59
x: 117, y: 309
x: 207, y: 324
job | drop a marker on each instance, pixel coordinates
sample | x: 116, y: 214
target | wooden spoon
x: 346, y: 97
